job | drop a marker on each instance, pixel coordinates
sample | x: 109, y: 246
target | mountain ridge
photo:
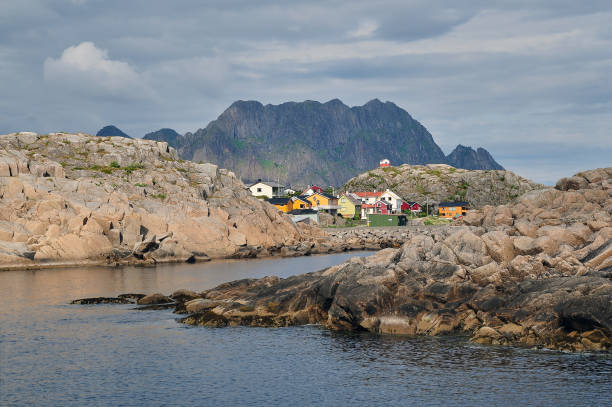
x: 313, y: 142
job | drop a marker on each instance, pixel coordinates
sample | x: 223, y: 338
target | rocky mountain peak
x: 111, y: 131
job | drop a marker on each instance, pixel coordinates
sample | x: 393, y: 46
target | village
x: 322, y: 206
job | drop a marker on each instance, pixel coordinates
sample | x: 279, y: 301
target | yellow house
x: 324, y: 202
x: 350, y: 205
x: 300, y: 202
x: 452, y: 209
x: 282, y: 204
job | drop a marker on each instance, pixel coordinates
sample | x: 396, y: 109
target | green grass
x: 159, y: 196
x: 133, y: 167
x: 140, y: 184
x: 114, y: 164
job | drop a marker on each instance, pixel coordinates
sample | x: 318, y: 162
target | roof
x: 454, y: 204
x: 302, y: 212
x: 278, y: 201
x: 411, y: 203
x: 301, y: 198
x: 368, y: 194
x: 375, y: 204
x: 323, y: 194
x: 353, y: 199
x: 314, y: 188
x: 272, y: 184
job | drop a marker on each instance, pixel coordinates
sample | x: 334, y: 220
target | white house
x: 392, y: 198
x: 269, y: 189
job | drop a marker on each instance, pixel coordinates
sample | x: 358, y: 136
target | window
x: 301, y: 205
x: 258, y: 189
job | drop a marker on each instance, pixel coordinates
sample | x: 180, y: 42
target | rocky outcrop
x: 435, y: 183
x: 74, y: 198
x: 537, y: 274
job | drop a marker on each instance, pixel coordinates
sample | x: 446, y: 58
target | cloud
x: 513, y: 77
x: 365, y: 30
x: 87, y: 69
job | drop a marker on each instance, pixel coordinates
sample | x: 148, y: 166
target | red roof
x: 369, y: 194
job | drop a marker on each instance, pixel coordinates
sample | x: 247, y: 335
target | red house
x: 411, y: 206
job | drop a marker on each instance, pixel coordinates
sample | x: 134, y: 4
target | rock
x: 499, y: 245
x: 151, y: 299
x: 469, y: 248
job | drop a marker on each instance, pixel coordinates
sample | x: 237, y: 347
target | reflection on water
x: 52, y: 353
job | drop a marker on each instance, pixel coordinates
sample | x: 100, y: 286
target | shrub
x: 114, y: 164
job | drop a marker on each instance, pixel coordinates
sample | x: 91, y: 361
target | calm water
x: 56, y: 354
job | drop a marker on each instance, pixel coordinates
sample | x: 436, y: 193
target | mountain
x: 441, y: 182
x: 111, y: 131
x: 313, y: 142
x: 168, y: 135
x: 466, y: 157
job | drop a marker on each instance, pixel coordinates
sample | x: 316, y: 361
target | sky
x: 529, y: 80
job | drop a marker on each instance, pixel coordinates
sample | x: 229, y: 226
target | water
x: 55, y: 354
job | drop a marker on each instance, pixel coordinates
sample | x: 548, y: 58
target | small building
x: 384, y: 163
x: 282, y: 204
x: 321, y: 201
x: 392, y: 198
x: 387, y: 220
x: 413, y: 207
x: 311, y: 190
x: 452, y: 209
x: 270, y: 189
x: 304, y: 215
x: 350, y: 205
x: 378, y: 207
x: 368, y: 197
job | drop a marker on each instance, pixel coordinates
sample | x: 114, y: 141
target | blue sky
x: 527, y: 80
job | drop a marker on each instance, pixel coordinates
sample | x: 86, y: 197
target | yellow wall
x: 316, y: 197
x: 297, y: 204
x: 284, y: 208
x: 451, y: 211
x: 347, y: 209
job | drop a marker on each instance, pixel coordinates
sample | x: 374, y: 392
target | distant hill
x: 441, y: 182
x: 313, y: 142
x: 111, y: 131
x: 168, y: 135
x: 466, y: 157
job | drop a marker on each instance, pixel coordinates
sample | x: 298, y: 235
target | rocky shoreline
x: 537, y: 273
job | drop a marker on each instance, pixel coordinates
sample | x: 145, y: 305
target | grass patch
x: 140, y: 184
x: 114, y: 164
x: 133, y: 167
x: 159, y: 196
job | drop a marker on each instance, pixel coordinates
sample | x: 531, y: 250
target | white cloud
x: 366, y: 29
x: 87, y: 69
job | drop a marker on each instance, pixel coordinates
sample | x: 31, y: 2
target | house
x: 350, y: 205
x: 384, y: 163
x: 282, y: 204
x: 392, y: 198
x: 378, y: 207
x: 289, y: 191
x: 387, y: 196
x: 411, y: 206
x: 311, y: 190
x: 270, y: 189
x: 368, y: 197
x: 452, y: 209
x: 300, y: 202
x: 321, y: 201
